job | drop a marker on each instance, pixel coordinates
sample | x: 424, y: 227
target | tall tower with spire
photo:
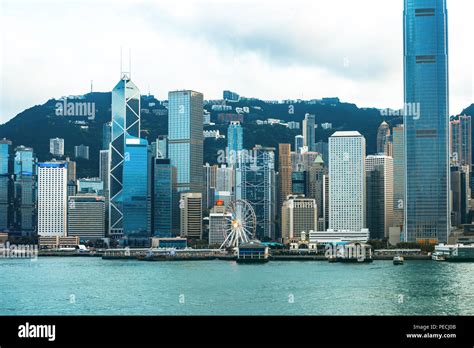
x: 125, y: 126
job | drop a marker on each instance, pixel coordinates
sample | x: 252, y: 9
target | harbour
x: 92, y: 286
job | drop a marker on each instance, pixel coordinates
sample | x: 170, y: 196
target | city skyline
x: 286, y: 59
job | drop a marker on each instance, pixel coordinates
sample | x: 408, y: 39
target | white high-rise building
x: 56, y: 146
x: 52, y: 199
x: 347, y: 181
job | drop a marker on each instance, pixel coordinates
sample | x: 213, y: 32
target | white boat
x: 398, y: 260
x: 437, y: 256
x: 456, y: 252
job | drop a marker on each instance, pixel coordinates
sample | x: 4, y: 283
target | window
x: 424, y: 12
x: 425, y: 59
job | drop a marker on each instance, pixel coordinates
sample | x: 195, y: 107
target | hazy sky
x: 273, y: 49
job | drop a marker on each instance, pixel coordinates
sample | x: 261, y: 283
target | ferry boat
x: 455, y: 252
x: 398, y: 260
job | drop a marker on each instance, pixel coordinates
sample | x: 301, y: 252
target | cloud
x: 268, y: 49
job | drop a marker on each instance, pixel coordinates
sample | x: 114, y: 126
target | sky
x: 268, y: 49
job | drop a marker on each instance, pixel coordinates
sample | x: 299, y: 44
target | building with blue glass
x: 135, y: 189
x: 426, y: 121
x: 24, y: 191
x: 185, y: 145
x: 185, y: 139
x: 5, y: 185
x: 125, y: 125
x: 164, y: 176
x: 234, y: 141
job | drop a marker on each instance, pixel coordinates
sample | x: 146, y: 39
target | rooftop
x: 346, y: 134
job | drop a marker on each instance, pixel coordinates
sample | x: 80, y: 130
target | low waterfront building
x: 56, y: 242
x: 253, y: 251
x: 175, y: 243
x: 334, y: 236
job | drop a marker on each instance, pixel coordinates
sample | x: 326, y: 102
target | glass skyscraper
x: 135, y: 188
x: 255, y: 183
x: 24, y: 193
x: 164, y: 175
x: 185, y: 145
x: 5, y: 184
x: 125, y: 125
x: 427, y: 213
x: 234, y: 141
x: 185, y: 139
x: 309, y: 124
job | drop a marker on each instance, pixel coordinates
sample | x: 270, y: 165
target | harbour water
x: 92, y: 286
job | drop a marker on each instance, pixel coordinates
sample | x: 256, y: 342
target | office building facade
x: 125, y: 125
x: 347, y: 196
x: 427, y: 211
x: 379, y: 178
x: 52, y: 199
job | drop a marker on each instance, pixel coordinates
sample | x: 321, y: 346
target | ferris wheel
x: 242, y: 223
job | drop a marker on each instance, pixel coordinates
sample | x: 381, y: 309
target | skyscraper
x: 298, y: 214
x: 185, y: 139
x: 106, y: 135
x: 56, y: 146
x: 234, y: 141
x: 85, y: 217
x: 347, y: 181
x: 125, y: 125
x: 255, y: 183
x: 81, y: 151
x: 24, y: 202
x: 5, y: 184
x: 427, y: 213
x: 135, y: 189
x: 309, y: 124
x: 284, y: 171
x: 299, y: 143
x: 398, y: 176
x: 191, y: 215
x: 104, y: 174
x: 225, y: 178
x: 209, y: 185
x: 459, y: 194
x: 299, y: 182
x: 315, y: 189
x: 323, y: 148
x: 383, y: 138
x: 219, y: 223
x: 52, y: 198
x: 379, y: 176
x: 164, y: 176
x: 162, y: 147
x: 461, y: 140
